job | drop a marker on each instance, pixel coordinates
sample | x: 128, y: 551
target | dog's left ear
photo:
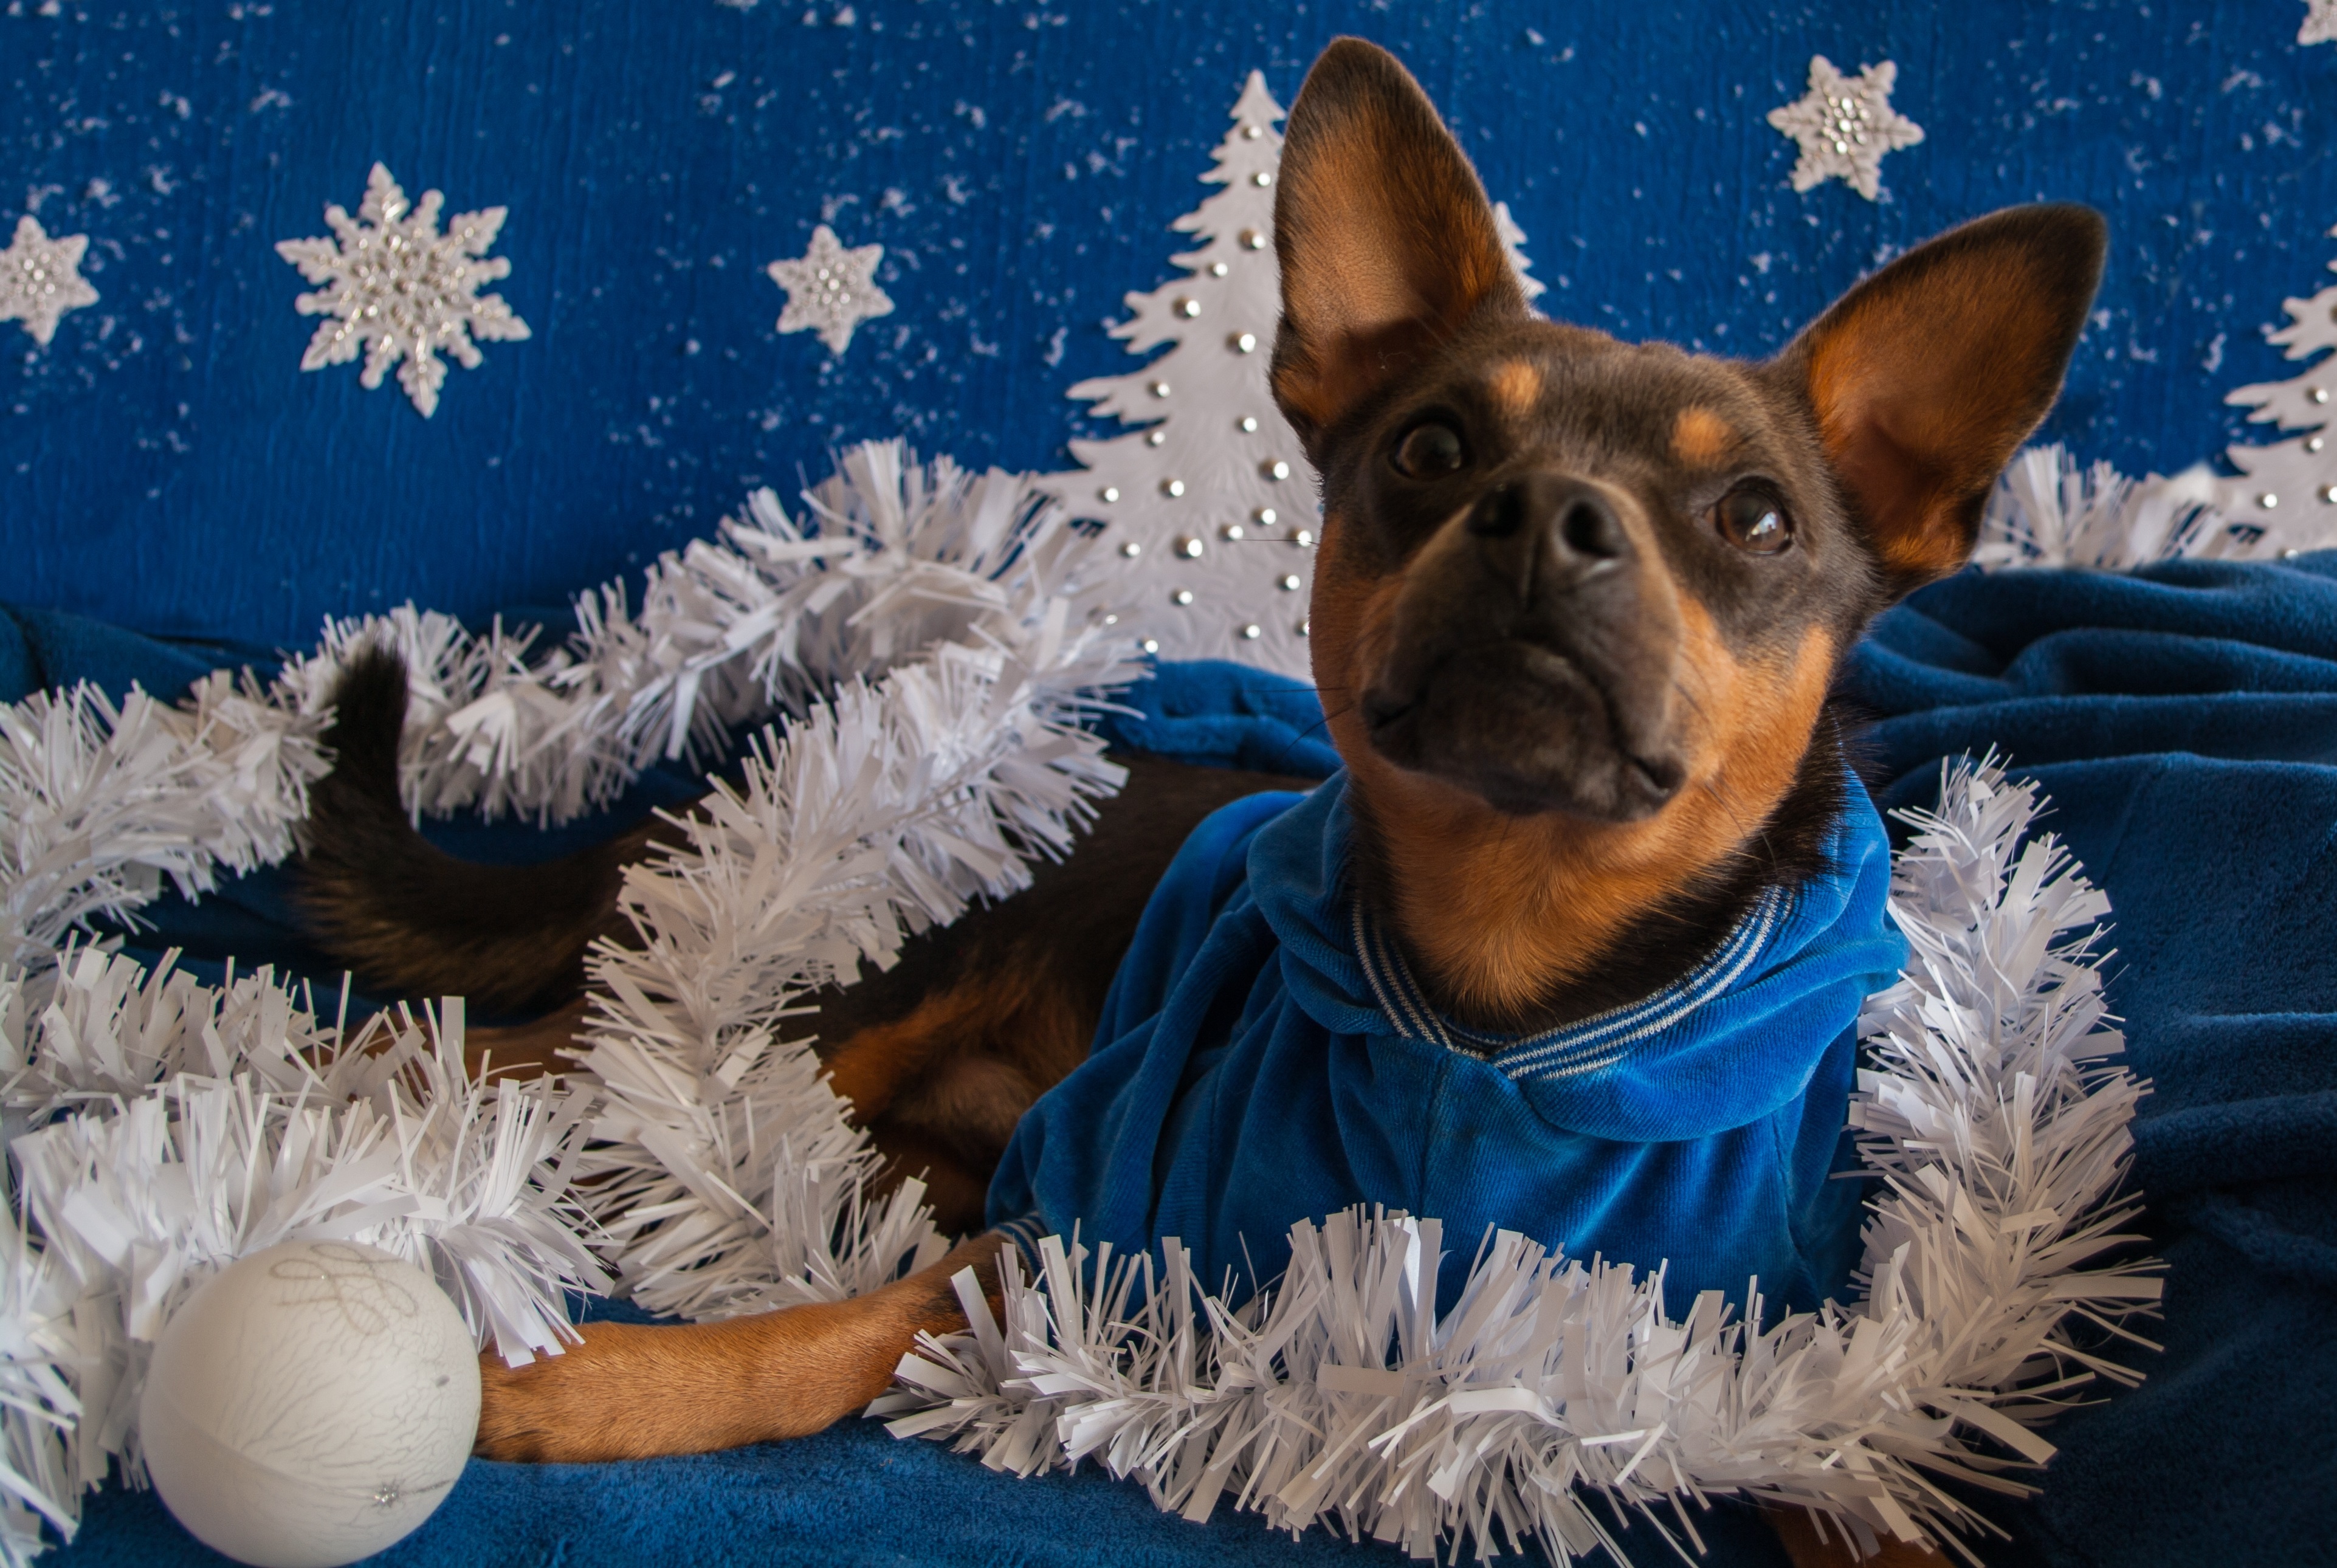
x: 1927, y: 375
x: 1386, y: 241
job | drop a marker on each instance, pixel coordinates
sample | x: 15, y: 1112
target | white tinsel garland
x: 160, y: 1128
x: 39, y: 1411
x: 936, y: 646
x: 892, y: 559
x: 98, y: 803
x: 1350, y: 1396
x: 723, y: 1160
x: 2048, y: 510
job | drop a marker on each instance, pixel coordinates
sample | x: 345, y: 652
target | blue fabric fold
x: 43, y: 649
x: 2183, y: 720
x: 1226, y: 715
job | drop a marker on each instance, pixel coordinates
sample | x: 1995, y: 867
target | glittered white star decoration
x: 830, y: 290
x: 402, y: 291
x: 2319, y: 22
x: 1844, y: 125
x: 40, y: 279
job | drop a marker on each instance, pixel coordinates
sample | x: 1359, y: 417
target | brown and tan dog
x: 1576, y: 611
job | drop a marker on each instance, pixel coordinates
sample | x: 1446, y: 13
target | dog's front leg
x: 1814, y: 1545
x: 635, y: 1391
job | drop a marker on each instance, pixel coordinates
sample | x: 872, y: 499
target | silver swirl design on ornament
x: 349, y: 1280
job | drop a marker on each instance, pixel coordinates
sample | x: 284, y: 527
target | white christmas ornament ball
x: 309, y: 1405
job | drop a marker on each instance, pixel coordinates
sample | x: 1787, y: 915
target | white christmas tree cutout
x: 2289, y: 488
x: 1209, y: 499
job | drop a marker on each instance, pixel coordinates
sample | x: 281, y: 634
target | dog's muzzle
x: 1533, y: 657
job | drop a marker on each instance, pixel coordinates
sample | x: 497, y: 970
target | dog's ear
x: 1927, y: 375
x: 1386, y: 241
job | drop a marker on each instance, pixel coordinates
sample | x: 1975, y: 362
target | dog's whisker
x: 1322, y: 723
x: 1743, y: 834
x: 1681, y: 687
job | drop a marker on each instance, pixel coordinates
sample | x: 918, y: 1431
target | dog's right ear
x: 1386, y: 241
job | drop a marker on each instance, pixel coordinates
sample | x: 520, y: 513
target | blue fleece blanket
x: 2184, y: 720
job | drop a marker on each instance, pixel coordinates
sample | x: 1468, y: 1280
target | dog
x: 1578, y: 611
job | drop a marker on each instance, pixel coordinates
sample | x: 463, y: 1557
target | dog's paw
x: 1812, y: 1546
x: 572, y: 1408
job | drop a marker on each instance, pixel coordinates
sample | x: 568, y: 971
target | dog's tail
x: 411, y: 920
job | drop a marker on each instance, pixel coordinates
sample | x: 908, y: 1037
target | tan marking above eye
x: 1701, y: 437
x: 1515, y: 385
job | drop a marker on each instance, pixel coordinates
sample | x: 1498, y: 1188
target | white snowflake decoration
x: 2319, y: 22
x: 1844, y: 125
x: 40, y: 279
x: 401, y: 291
x: 831, y: 290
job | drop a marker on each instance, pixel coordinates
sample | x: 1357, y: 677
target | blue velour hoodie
x: 1265, y: 1058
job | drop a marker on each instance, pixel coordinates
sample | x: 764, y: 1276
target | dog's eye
x: 1431, y: 451
x: 1754, y: 521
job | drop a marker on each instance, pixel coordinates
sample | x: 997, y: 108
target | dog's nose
x: 1544, y: 529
